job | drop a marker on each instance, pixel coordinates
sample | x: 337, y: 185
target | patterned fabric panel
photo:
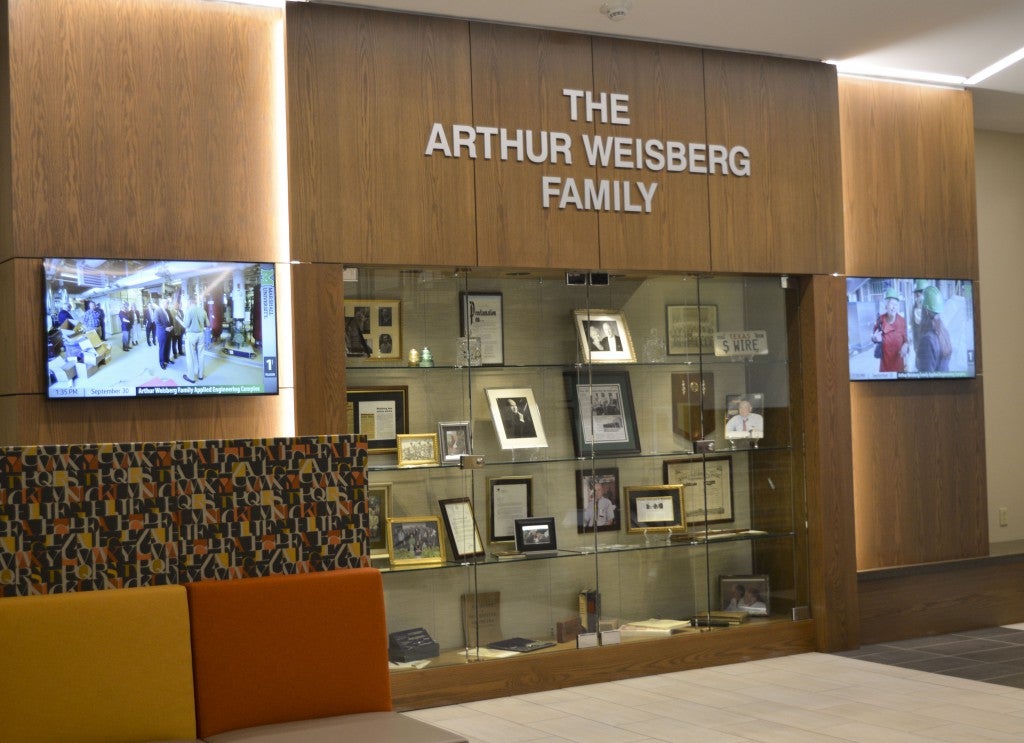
x: 75, y: 518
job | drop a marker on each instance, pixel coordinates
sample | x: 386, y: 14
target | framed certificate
x: 482, y: 318
x: 709, y: 481
x: 461, y: 527
x: 381, y: 414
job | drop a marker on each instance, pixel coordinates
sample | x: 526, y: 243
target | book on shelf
x: 507, y: 555
x: 654, y: 628
x: 590, y: 609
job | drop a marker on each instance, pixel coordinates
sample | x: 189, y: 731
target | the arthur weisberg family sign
x: 622, y: 153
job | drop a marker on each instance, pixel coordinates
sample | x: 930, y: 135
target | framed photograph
x: 456, y: 439
x: 691, y: 328
x: 511, y: 498
x: 744, y: 416
x: 603, y: 336
x: 373, y: 329
x: 536, y: 535
x: 654, y: 508
x: 708, y: 485
x: 516, y: 418
x: 603, y: 418
x: 381, y: 414
x: 461, y: 527
x: 415, y: 540
x: 417, y: 449
x: 597, y: 500
x: 482, y: 318
x: 747, y: 593
x: 378, y: 508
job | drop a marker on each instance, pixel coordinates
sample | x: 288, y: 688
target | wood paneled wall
x: 918, y: 446
x: 5, y: 133
x: 136, y: 130
x: 787, y: 216
x: 908, y: 180
x: 320, y: 388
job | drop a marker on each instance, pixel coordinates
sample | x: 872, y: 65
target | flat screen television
x: 106, y: 334
x: 902, y: 328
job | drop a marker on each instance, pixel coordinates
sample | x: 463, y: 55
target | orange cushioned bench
x: 296, y: 658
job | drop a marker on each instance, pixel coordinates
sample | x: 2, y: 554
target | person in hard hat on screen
x: 935, y: 347
x: 891, y: 332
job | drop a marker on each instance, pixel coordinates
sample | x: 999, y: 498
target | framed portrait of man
x: 516, y: 418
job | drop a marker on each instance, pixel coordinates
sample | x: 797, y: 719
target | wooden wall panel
x: 666, y: 88
x: 908, y: 179
x: 23, y: 371
x: 787, y: 216
x: 518, y: 78
x: 364, y: 90
x: 6, y: 235
x: 919, y: 471
x: 143, y: 129
x: 320, y: 399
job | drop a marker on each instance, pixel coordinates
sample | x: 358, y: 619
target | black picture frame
x: 378, y: 401
x: 603, y: 416
x: 461, y: 527
x: 591, y: 518
x: 536, y: 534
x: 510, y: 498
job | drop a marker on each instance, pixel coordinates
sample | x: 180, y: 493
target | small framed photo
x: 379, y: 413
x: 603, y: 417
x: 747, y: 593
x: 461, y: 527
x: 691, y: 328
x: 710, y: 478
x: 482, y: 318
x: 744, y: 416
x: 417, y: 449
x: 597, y: 500
x: 511, y: 498
x: 603, y: 336
x: 373, y: 329
x: 654, y: 508
x: 456, y: 439
x: 516, y: 418
x: 415, y: 540
x: 378, y: 507
x: 536, y: 535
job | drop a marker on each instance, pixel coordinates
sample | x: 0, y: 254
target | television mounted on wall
x: 111, y: 329
x: 910, y: 328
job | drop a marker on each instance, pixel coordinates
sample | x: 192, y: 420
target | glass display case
x: 560, y: 460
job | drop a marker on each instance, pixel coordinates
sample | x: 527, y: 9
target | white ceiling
x: 951, y: 37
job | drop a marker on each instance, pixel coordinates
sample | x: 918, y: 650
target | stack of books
x: 720, y: 618
x: 648, y: 628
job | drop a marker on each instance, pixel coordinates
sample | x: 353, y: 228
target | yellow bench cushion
x: 108, y: 666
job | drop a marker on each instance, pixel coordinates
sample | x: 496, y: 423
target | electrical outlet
x: 1004, y: 517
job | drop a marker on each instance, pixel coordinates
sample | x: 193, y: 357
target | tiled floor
x: 809, y: 697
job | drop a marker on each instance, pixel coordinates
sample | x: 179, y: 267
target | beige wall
x: 999, y: 162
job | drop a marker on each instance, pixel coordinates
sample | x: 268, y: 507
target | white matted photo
x: 516, y: 418
x: 603, y: 336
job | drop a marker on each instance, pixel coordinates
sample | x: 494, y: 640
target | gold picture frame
x: 415, y: 541
x: 373, y: 329
x: 417, y: 449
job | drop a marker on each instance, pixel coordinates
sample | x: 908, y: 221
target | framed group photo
x: 516, y: 418
x: 597, y: 500
x: 417, y: 449
x: 654, y: 508
x: 510, y: 498
x: 456, y: 439
x: 482, y: 318
x: 379, y: 413
x: 415, y: 541
x: 691, y: 328
x: 373, y: 329
x: 747, y: 593
x: 604, y: 337
x: 708, y: 485
x: 603, y: 417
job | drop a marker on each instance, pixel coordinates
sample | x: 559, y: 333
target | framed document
x: 654, y: 508
x: 461, y: 527
x: 603, y: 336
x: 603, y: 418
x: 511, y: 498
x: 381, y: 414
x: 691, y: 328
x: 516, y: 418
x: 708, y: 484
x: 415, y: 540
x: 417, y: 449
x: 482, y: 318
x: 373, y: 329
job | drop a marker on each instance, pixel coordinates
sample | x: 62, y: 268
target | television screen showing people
x: 907, y: 328
x: 142, y: 328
